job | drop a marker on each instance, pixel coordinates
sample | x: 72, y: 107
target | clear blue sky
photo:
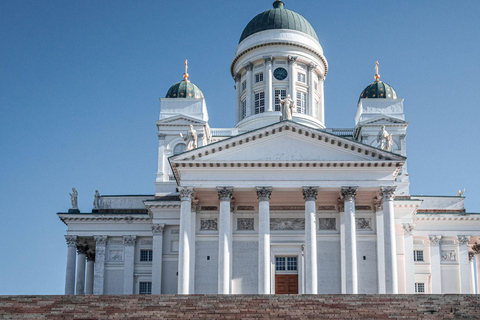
x: 80, y: 82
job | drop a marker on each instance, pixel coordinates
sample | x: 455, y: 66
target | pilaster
x: 435, y: 267
x: 99, y: 270
x: 463, y: 258
x: 71, y: 257
x: 409, y: 262
x: 129, y: 264
x: 157, y: 231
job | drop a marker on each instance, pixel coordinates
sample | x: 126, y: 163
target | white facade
x: 274, y: 206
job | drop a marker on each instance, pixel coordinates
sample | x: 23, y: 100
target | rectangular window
x: 419, y: 287
x: 259, y: 77
x: 259, y: 102
x: 301, y: 102
x: 301, y: 77
x: 244, y: 108
x: 283, y: 94
x: 286, y: 263
x: 280, y: 263
x: 145, y: 288
x: 418, y: 255
x: 146, y: 255
x: 292, y: 263
x: 244, y: 85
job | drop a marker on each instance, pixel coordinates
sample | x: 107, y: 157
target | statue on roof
x: 96, y: 200
x: 384, y: 139
x: 190, y: 138
x: 460, y: 193
x: 287, y: 107
x: 74, y: 198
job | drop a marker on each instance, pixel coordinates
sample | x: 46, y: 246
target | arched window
x: 179, y: 148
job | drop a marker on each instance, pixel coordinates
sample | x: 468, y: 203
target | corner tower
x: 278, y: 54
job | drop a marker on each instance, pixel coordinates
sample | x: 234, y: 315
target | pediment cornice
x: 180, y: 120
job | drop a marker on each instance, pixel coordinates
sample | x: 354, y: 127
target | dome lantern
x: 184, y: 88
x: 378, y: 89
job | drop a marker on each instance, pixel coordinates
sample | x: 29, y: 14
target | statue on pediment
x: 287, y: 107
x: 96, y: 200
x: 74, y: 198
x: 384, y: 139
x: 190, y: 138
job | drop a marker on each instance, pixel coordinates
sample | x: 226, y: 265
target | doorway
x: 286, y: 275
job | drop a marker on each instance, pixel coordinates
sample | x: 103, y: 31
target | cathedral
x: 278, y: 204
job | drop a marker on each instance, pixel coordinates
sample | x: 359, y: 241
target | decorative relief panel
x: 363, y: 208
x: 209, y: 224
x: 115, y: 255
x: 146, y: 242
x: 209, y: 208
x: 449, y: 255
x: 448, y: 242
x: 417, y: 241
x: 287, y: 224
x: 327, y: 208
x: 245, y: 208
x: 244, y: 224
x: 327, y: 224
x: 363, y: 223
x: 277, y: 208
x: 115, y: 242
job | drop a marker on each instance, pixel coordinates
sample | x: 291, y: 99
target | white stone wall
x: 245, y: 267
x: 367, y: 269
x: 329, y: 265
x: 206, y: 271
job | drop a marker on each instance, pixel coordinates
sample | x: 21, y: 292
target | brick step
x: 241, y: 307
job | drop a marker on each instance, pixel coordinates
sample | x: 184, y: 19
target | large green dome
x: 378, y: 89
x: 184, y: 89
x: 278, y: 18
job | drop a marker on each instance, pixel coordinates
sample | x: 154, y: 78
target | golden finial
x: 185, y: 75
x: 377, y: 76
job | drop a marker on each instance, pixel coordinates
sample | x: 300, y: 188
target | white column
x: 321, y: 84
x: 463, y: 258
x: 162, y: 170
x: 157, y: 248
x: 471, y: 256
x: 99, y: 270
x: 268, y: 83
x: 249, y: 95
x: 310, y: 196
x: 380, y: 246
x: 128, y: 264
x: 391, y: 276
x: 81, y: 260
x: 343, y: 259
x: 194, y: 207
x: 238, y: 93
x: 435, y: 269
x: 292, y: 77
x: 264, y: 283
x: 184, y: 254
x: 349, y: 194
x: 224, y: 240
x: 409, y: 262
x: 90, y: 271
x: 476, y: 250
x: 311, y: 90
x: 70, y: 272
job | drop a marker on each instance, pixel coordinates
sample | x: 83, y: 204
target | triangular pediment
x: 180, y: 120
x: 383, y: 120
x: 286, y: 141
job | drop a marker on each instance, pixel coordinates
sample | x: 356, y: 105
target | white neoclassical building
x: 276, y: 205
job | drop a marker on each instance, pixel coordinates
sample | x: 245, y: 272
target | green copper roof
x: 378, y: 89
x: 278, y: 18
x: 184, y: 89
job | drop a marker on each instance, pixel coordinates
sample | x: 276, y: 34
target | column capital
x: 268, y: 59
x: 292, y: 59
x: 157, y: 229
x: 463, y: 240
x: 476, y: 248
x: 248, y: 66
x: 434, y: 240
x: 377, y: 204
x: 91, y: 255
x: 186, y: 193
x: 129, y: 240
x: 408, y: 228
x: 264, y: 193
x: 71, y: 241
x: 388, y: 193
x: 349, y: 193
x: 225, y: 193
x: 471, y: 255
x: 82, y: 248
x: 310, y: 193
x: 238, y: 77
x: 100, y: 240
x: 161, y: 136
x: 312, y: 66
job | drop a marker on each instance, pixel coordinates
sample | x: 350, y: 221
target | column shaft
x: 268, y: 83
x: 99, y: 271
x: 311, y: 90
x: 380, y: 249
x: 238, y: 93
x: 81, y: 260
x: 224, y: 240
x: 129, y: 264
x: 184, y: 254
x: 409, y: 263
x: 471, y: 256
x: 249, y: 95
x: 292, y: 77
x: 311, y: 284
x: 349, y: 194
x: 90, y: 272
x: 264, y: 263
x: 463, y: 258
x: 435, y: 270
x: 71, y: 257
x: 391, y: 276
x: 192, y: 248
x: 157, y: 249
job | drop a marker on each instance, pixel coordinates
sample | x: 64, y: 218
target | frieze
x: 115, y: 255
x: 327, y: 224
x: 245, y: 208
x: 245, y: 224
x: 326, y: 208
x: 287, y: 224
x: 287, y: 208
x: 417, y: 241
x: 111, y: 242
x: 209, y: 208
x: 147, y: 242
x: 363, y: 223
x: 448, y: 242
x: 449, y: 255
x: 363, y: 208
x: 209, y: 224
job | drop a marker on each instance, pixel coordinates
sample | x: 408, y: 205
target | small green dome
x: 278, y: 18
x: 184, y: 89
x: 378, y: 89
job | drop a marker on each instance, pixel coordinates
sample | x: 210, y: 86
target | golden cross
x: 377, y: 76
x: 185, y: 75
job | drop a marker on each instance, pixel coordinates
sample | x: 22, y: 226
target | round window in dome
x: 280, y: 74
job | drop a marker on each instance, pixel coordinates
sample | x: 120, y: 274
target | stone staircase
x: 242, y: 307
